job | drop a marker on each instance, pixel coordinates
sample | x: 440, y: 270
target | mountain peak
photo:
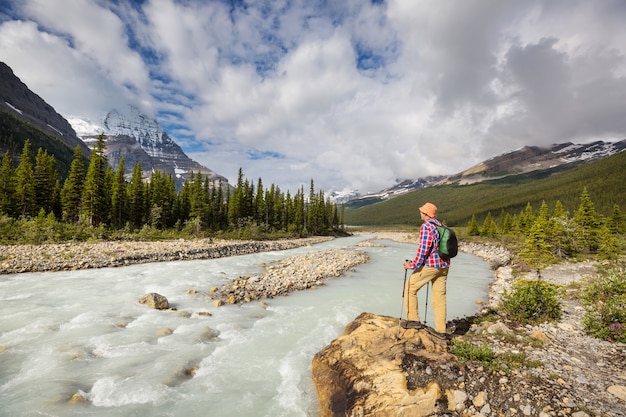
x: 136, y: 137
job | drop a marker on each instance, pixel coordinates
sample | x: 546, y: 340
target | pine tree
x: 489, y: 227
x: 119, y: 197
x: 507, y: 224
x: 526, y: 219
x: 616, y: 222
x: 94, y: 202
x: 536, y: 252
x: 259, y: 203
x: 472, y: 227
x: 588, y: 222
x: 45, y: 178
x: 559, y: 211
x: 608, y: 245
x: 136, y: 198
x: 311, y: 216
x: 7, y: 185
x: 235, y: 205
x: 25, y: 190
x: 71, y: 193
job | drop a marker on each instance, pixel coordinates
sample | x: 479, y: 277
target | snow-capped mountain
x: 520, y: 161
x: 132, y: 135
x: 534, y: 158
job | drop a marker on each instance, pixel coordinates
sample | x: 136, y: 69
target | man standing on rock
x: 428, y: 266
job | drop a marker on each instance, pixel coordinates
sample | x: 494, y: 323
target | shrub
x: 532, y: 301
x: 604, y: 298
x: 467, y: 351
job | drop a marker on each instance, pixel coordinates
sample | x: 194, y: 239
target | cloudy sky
x: 351, y: 93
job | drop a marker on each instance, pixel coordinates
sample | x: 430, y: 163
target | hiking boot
x: 412, y: 324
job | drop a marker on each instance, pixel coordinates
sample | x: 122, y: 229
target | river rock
x: 619, y: 391
x: 154, y: 300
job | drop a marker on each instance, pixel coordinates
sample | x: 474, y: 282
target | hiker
x: 428, y: 266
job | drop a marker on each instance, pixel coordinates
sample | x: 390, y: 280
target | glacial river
x: 84, y: 332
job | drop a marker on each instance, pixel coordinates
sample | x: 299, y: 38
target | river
x: 84, y: 332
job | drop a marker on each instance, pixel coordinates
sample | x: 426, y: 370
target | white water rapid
x: 63, y: 333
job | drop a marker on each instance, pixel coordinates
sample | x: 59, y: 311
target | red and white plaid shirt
x: 427, y: 254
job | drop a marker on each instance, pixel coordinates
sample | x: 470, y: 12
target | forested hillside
x: 604, y: 180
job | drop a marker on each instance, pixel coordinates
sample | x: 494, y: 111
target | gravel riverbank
x: 83, y: 255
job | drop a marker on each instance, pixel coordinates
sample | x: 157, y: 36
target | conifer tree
x: 507, y: 224
x: 259, y: 203
x: 311, y: 214
x: 7, y: 185
x: 71, y: 193
x: 119, y: 197
x: 94, y: 202
x: 221, y: 207
x: 25, y: 190
x: 472, y: 227
x: 235, y: 204
x: 559, y: 211
x: 588, y: 223
x: 526, y: 219
x: 608, y: 244
x: 136, y: 196
x: 536, y: 252
x: 45, y: 178
x: 616, y: 222
x: 489, y: 227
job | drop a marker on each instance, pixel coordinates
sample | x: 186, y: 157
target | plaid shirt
x: 427, y: 250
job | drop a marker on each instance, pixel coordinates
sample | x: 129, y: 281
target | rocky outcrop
x: 377, y: 368
x: 364, y: 372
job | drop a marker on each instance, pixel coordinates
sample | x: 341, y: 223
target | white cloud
x: 352, y: 94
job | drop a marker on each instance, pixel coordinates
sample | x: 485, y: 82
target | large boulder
x: 156, y: 301
x: 370, y: 371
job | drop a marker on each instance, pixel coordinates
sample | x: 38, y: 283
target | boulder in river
x: 156, y: 301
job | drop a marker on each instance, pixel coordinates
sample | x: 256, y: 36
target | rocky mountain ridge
x: 137, y: 138
x: 19, y: 101
x: 520, y: 161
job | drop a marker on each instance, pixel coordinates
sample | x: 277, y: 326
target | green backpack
x: 448, y: 243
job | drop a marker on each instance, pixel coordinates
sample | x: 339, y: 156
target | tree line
x: 550, y: 234
x: 101, y: 198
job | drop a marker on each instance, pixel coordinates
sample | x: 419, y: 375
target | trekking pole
x: 426, y: 309
x: 401, y: 307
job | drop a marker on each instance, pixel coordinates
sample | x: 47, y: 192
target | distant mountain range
x: 129, y: 134
x: 520, y: 161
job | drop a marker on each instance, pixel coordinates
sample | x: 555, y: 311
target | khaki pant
x: 418, y: 279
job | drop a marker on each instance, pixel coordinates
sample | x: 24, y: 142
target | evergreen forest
x: 94, y: 201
